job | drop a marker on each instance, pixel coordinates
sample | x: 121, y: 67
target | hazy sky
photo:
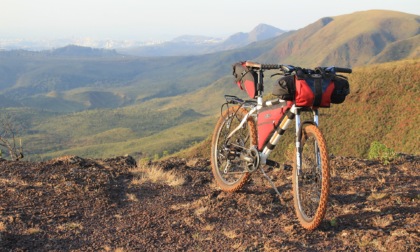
x: 166, y: 19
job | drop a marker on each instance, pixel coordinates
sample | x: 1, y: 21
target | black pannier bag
x: 341, y: 89
x: 245, y: 78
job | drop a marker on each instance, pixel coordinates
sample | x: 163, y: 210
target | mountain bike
x: 249, y: 130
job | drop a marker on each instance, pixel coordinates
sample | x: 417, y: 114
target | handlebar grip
x: 270, y: 66
x: 342, y: 70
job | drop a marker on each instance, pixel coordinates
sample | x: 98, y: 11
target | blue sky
x: 166, y: 19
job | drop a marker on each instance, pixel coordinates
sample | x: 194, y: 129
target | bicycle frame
x: 292, y: 113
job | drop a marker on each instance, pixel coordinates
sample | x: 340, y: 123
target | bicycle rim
x: 311, y: 182
x: 229, y: 170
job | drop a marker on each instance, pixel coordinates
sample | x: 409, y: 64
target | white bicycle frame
x: 278, y: 133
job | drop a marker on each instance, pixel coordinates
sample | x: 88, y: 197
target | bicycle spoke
x: 228, y: 166
x: 310, y: 185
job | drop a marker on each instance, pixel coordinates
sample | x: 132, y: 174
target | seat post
x: 260, y: 84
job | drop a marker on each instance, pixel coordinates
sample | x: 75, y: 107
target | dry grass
x: 199, y: 207
x: 33, y: 231
x: 108, y: 249
x: 237, y: 246
x: 199, y: 211
x: 380, y: 179
x: 155, y: 174
x: 363, y: 243
x: 192, y: 162
x: 377, y: 196
x: 70, y: 226
x: 208, y: 227
x: 400, y: 233
x: 2, y: 227
x: 382, y: 222
x: 13, y: 182
x: 181, y: 206
x: 230, y: 234
x: 132, y: 197
x: 270, y: 246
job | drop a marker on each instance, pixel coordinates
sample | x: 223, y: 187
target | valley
x: 100, y: 103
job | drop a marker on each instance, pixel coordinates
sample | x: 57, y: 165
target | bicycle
x: 249, y: 130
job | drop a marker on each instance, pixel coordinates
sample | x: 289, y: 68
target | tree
x: 8, y: 132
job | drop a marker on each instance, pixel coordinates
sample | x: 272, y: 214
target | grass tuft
x: 156, y: 174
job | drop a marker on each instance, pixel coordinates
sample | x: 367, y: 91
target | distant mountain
x: 349, y: 40
x: 82, y: 51
x: 194, y: 39
x: 261, y: 32
x: 196, y: 45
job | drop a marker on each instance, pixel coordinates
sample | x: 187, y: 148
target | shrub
x: 382, y: 153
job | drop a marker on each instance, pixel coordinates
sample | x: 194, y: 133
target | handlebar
x: 338, y: 69
x: 261, y: 66
x: 288, y: 69
x: 270, y: 66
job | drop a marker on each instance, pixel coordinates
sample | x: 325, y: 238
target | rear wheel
x: 311, y: 182
x: 229, y: 169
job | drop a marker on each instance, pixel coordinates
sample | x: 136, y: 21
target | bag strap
x: 318, y: 92
x: 300, y: 74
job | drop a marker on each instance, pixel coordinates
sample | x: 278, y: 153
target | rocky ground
x: 76, y: 204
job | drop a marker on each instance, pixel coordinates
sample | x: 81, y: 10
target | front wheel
x: 229, y: 168
x: 312, y: 181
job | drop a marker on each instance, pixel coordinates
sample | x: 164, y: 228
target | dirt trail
x: 78, y: 204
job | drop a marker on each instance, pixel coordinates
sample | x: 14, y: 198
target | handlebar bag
x: 307, y: 90
x: 313, y: 90
x: 341, y: 89
x: 246, y: 79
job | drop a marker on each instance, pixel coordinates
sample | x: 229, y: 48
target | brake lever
x: 271, y: 76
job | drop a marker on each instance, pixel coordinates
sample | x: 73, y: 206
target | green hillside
x: 382, y: 106
x: 86, y: 78
x: 104, y: 104
x: 407, y: 48
x: 350, y: 40
x: 81, y: 83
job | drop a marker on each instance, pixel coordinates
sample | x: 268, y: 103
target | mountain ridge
x: 346, y: 40
x: 40, y: 86
x: 196, y: 45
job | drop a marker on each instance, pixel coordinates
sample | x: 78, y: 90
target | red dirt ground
x: 81, y: 204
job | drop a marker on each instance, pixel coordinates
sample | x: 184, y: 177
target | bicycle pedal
x: 272, y: 163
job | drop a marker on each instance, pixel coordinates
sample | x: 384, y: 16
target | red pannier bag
x: 245, y: 78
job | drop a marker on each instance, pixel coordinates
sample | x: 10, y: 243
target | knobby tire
x: 311, y: 186
x: 246, y: 137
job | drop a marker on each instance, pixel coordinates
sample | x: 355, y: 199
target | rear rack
x: 231, y: 99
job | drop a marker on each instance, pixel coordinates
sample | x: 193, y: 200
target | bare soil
x: 76, y: 204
